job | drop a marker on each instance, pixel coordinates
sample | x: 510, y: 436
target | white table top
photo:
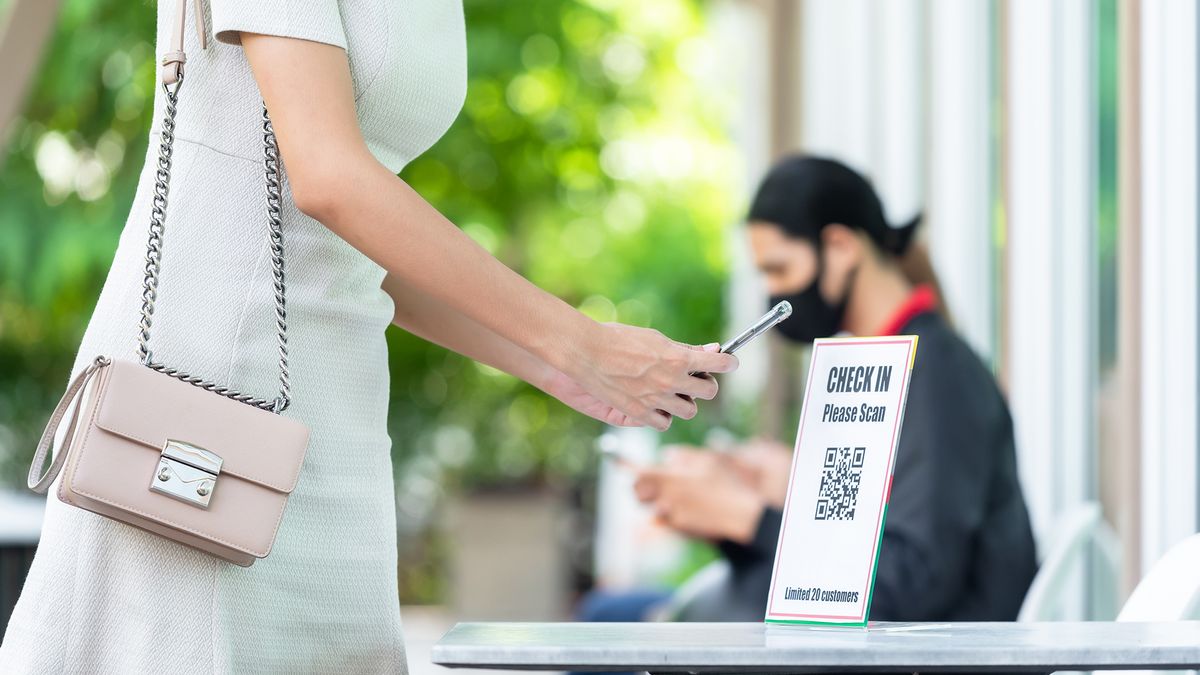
x: 755, y: 647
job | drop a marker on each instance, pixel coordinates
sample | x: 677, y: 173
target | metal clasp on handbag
x: 186, y: 472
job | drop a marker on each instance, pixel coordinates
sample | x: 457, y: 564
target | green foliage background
x: 587, y: 156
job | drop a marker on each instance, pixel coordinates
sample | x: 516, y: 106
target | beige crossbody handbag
x: 168, y: 452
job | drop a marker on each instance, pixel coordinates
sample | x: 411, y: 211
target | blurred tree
x: 67, y: 182
x: 587, y: 157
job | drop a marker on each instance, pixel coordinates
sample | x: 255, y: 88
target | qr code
x: 840, y: 476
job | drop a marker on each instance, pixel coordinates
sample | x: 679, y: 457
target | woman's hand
x: 570, y: 392
x: 645, y: 375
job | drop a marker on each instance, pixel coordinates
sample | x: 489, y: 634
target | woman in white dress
x: 356, y: 89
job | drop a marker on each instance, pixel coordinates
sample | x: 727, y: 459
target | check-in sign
x: 841, y: 477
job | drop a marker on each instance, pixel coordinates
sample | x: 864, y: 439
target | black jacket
x: 957, y: 544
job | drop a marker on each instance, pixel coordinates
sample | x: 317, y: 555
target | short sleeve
x: 316, y: 20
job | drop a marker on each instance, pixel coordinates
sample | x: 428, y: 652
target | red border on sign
x: 887, y: 484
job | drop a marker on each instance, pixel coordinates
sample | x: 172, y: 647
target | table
x: 755, y: 647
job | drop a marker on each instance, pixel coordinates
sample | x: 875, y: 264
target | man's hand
x: 767, y: 466
x: 700, y: 494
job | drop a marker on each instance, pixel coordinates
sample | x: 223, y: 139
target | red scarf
x: 922, y: 299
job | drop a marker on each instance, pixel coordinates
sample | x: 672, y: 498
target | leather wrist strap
x: 74, y: 391
x: 173, y: 60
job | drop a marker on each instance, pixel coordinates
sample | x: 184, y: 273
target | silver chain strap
x: 162, y: 180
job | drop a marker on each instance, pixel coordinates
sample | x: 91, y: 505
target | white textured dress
x: 105, y: 597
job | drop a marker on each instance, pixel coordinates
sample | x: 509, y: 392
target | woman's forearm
x: 380, y: 214
x: 337, y: 180
x: 426, y: 317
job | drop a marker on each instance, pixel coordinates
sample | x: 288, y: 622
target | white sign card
x: 841, y: 478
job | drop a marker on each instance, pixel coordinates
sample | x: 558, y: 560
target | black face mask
x: 812, y: 317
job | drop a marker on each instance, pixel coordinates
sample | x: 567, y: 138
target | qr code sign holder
x: 846, y: 444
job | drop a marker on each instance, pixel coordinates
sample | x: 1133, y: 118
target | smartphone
x: 778, y: 313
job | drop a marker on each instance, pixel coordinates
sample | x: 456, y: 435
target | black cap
x: 803, y: 194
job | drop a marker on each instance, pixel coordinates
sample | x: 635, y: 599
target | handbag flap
x: 149, y: 407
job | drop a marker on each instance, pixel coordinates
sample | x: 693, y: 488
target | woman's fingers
x: 649, y: 416
x: 699, y: 383
x: 617, y: 418
x: 703, y: 361
x: 658, y: 419
x: 695, y: 382
x: 678, y: 406
x: 703, y: 386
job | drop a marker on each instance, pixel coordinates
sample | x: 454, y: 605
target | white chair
x: 713, y: 575
x: 1170, y: 591
x: 1080, y: 537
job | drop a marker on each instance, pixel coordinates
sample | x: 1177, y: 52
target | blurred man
x: 957, y: 543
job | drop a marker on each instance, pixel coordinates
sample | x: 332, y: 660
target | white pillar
x: 958, y: 213
x: 839, y: 100
x: 1169, y: 279
x: 1049, y: 299
x: 1077, y: 297
x: 898, y: 163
